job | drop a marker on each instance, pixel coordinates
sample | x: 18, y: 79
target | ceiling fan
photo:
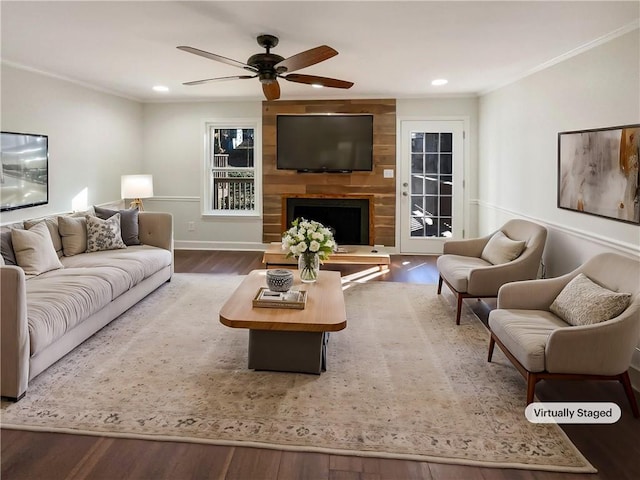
x: 268, y: 67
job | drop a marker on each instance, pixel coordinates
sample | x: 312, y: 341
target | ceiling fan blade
x: 306, y: 58
x: 271, y: 90
x: 314, y: 80
x: 220, y: 79
x: 217, y: 58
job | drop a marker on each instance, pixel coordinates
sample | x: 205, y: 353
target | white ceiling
x: 390, y: 49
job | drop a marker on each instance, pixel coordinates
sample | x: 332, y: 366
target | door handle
x: 405, y: 184
x: 405, y: 194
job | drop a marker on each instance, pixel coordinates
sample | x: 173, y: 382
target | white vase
x: 309, y: 267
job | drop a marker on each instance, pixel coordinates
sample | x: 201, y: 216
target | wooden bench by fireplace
x: 275, y: 256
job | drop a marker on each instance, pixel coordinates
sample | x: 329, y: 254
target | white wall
x: 94, y: 137
x: 518, y: 150
x: 173, y: 142
x: 519, y: 125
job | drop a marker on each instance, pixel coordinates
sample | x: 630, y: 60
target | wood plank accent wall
x: 279, y: 184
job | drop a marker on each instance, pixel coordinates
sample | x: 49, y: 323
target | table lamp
x: 136, y: 187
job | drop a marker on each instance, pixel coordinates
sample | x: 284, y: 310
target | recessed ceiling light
x: 439, y: 81
x: 160, y: 88
x: 316, y: 85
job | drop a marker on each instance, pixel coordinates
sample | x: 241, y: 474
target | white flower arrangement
x: 308, y: 236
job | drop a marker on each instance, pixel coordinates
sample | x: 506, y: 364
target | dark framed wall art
x: 24, y: 177
x: 598, y: 172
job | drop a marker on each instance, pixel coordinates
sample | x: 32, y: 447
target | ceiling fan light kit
x: 268, y: 67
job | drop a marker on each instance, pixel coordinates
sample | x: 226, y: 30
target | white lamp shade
x: 136, y: 186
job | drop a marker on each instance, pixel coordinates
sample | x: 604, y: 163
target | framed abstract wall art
x: 598, y: 172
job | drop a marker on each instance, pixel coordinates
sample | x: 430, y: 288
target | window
x: 232, y: 154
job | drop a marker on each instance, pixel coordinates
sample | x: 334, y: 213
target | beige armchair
x: 541, y: 345
x: 469, y: 275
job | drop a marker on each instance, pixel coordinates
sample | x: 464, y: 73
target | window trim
x: 205, y: 189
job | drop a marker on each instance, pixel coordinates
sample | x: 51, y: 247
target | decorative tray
x: 265, y: 298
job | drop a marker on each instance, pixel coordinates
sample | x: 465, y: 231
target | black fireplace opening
x: 349, y: 217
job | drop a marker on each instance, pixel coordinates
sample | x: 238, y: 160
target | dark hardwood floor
x: 613, y: 449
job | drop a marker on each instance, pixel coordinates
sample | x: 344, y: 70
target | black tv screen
x: 24, y: 178
x: 325, y: 143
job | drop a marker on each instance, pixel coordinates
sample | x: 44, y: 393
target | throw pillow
x: 52, y: 225
x: 584, y: 302
x: 73, y: 231
x: 6, y: 245
x: 34, y: 249
x: 501, y: 249
x: 128, y: 223
x: 104, y: 234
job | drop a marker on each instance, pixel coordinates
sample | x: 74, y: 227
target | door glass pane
x: 417, y: 142
x: 417, y: 163
x: 431, y: 184
x: 431, y: 206
x: 431, y: 142
x: 431, y: 164
x: 416, y: 184
x: 446, y: 141
x: 446, y: 166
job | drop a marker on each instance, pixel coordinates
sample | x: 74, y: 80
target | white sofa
x: 45, y: 316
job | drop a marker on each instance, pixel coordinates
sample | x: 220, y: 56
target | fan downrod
x: 267, y: 41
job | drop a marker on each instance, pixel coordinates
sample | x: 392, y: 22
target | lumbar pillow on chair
x: 584, y: 302
x: 501, y: 249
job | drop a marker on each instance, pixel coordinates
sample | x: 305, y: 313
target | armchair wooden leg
x: 532, y: 379
x: 439, y: 284
x: 459, y: 310
x: 628, y: 389
x: 492, y: 344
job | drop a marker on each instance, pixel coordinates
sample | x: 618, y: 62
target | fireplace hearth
x: 349, y: 217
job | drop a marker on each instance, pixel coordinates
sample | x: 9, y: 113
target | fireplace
x: 349, y: 217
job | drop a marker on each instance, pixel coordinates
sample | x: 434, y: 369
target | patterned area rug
x: 402, y: 382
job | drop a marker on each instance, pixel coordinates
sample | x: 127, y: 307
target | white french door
x: 432, y: 198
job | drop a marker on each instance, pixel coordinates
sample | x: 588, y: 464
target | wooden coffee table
x: 288, y: 340
x: 351, y: 254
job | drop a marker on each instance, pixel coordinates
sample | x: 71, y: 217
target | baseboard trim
x: 215, y: 245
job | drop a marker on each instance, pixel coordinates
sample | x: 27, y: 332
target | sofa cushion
x: 525, y: 334
x: 139, y: 262
x: 104, y: 234
x: 6, y: 245
x: 501, y: 249
x: 73, y: 231
x: 128, y: 223
x: 584, y: 302
x: 455, y: 269
x: 58, y: 301
x: 52, y: 225
x: 34, y: 249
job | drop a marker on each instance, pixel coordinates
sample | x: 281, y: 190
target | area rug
x: 403, y: 381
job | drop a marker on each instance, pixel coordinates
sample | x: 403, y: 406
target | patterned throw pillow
x: 583, y: 302
x: 104, y: 234
x: 128, y: 223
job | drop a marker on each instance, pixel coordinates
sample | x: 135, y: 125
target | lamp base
x: 137, y: 203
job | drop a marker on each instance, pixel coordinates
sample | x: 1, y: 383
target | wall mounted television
x: 24, y: 178
x: 325, y: 143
